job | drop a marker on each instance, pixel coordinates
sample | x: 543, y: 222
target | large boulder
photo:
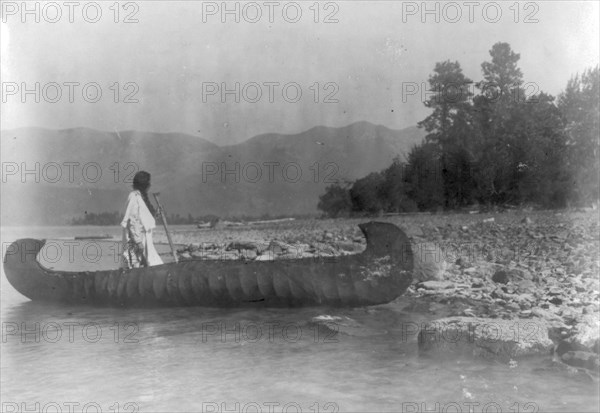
x: 504, y: 275
x: 587, y: 333
x: 501, y: 340
x: 583, y: 337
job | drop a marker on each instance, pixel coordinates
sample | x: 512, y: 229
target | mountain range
x: 52, y: 176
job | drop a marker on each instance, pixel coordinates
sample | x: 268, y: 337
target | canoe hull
x: 378, y: 275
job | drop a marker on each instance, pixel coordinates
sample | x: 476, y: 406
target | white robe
x: 141, y: 222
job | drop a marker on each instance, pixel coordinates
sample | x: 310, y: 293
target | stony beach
x: 502, y: 286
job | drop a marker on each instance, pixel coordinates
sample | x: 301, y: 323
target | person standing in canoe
x: 138, y: 224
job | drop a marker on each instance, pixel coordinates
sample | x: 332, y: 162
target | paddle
x: 164, y: 220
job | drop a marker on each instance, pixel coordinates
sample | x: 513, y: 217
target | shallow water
x: 207, y: 359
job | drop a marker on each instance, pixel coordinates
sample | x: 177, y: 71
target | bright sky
x: 179, y: 56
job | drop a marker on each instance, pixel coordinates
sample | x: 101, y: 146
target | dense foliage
x: 498, y: 141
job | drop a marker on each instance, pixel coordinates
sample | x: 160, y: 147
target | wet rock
x: 248, y: 254
x: 261, y: 247
x: 505, y: 275
x: 525, y: 299
x: 526, y: 286
x: 198, y: 254
x: 498, y: 293
x: 230, y: 255
x: 344, y: 325
x: 501, y: 277
x: 265, y: 257
x: 185, y: 255
x: 527, y: 221
x: 583, y: 359
x: 555, y: 301
x: 278, y: 247
x: 322, y: 249
x: 525, y: 314
x: 193, y: 247
x: 435, y: 285
x: 561, y: 235
x: 351, y: 247
x: 585, y: 335
x: 555, y: 291
x: 497, y: 339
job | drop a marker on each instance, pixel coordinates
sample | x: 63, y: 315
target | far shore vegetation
x: 497, y: 142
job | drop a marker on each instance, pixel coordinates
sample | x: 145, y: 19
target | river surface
x: 66, y: 358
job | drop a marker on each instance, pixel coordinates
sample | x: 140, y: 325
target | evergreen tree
x: 580, y: 106
x: 494, y: 110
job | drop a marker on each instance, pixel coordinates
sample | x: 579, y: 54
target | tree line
x: 493, y: 142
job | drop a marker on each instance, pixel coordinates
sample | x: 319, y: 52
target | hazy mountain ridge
x: 186, y: 169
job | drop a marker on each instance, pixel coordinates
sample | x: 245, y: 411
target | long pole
x: 164, y: 220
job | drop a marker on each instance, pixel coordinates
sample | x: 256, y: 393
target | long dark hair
x: 141, y: 182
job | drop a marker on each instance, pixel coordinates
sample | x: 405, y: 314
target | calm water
x: 207, y: 359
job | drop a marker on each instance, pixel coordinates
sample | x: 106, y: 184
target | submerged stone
x: 583, y: 359
x: 497, y: 339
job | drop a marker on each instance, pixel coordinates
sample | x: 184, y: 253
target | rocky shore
x: 504, y: 286
x: 529, y: 287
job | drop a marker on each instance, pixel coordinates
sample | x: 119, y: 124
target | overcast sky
x: 173, y: 59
